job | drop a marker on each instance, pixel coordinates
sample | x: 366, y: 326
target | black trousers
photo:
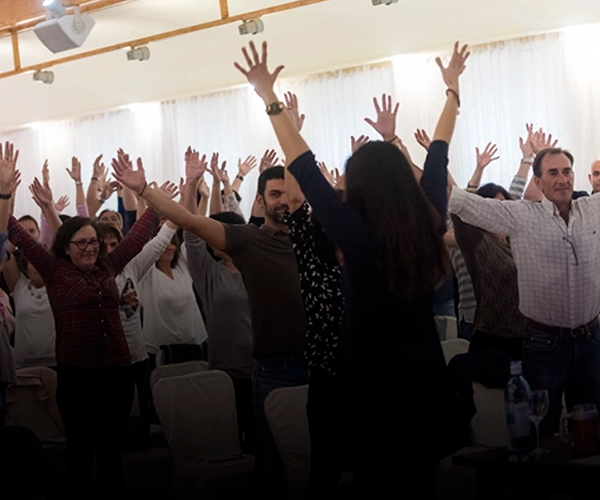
x: 325, y: 468
x: 245, y: 413
x: 141, y: 376
x: 95, y: 406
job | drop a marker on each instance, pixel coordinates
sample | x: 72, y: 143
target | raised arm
x: 75, y: 174
x: 451, y: 74
x: 294, y: 194
x: 42, y: 195
x: 258, y: 75
x: 434, y: 180
x: 94, y: 187
x: 385, y: 124
x: 216, y: 202
x: 209, y: 230
x: 244, y: 167
x: 484, y: 158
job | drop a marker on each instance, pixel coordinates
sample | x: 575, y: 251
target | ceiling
x: 328, y: 35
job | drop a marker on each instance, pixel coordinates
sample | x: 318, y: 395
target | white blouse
x: 171, y: 313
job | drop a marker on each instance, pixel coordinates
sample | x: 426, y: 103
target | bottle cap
x: 515, y: 368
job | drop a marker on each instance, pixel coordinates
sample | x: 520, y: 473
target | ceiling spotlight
x: 44, y: 77
x: 54, y: 9
x: 383, y: 2
x: 64, y: 32
x: 139, y: 54
x: 251, y: 26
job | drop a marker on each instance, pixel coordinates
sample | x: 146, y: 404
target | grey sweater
x: 225, y: 302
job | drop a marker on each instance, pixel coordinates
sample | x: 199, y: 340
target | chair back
x: 447, y: 327
x: 488, y: 425
x: 285, y: 409
x: 198, y: 415
x: 453, y: 347
x: 177, y: 369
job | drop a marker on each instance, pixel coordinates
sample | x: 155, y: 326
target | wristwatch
x: 275, y: 108
x: 527, y: 160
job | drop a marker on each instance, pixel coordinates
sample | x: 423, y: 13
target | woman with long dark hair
x: 390, y: 368
x: 95, y: 383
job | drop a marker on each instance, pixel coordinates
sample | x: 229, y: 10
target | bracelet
x: 470, y: 186
x: 527, y: 160
x: 393, y: 139
x: 143, y: 189
x: 79, y: 183
x: 5, y: 196
x: 95, y: 179
x: 452, y: 91
x: 240, y: 177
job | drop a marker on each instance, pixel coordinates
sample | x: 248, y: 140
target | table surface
x: 560, y: 455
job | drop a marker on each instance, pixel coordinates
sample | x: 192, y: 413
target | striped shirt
x: 558, y: 263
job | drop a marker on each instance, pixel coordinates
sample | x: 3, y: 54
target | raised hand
x: 168, y: 189
x: 75, y: 172
x: 540, y: 141
x: 326, y: 173
x: 357, y: 143
x: 257, y: 73
x: 124, y: 173
x: 245, y: 166
x: 525, y: 145
x: 423, y: 139
x: 45, y: 173
x: 41, y: 194
x: 386, y: 118
x: 487, y: 156
x: 108, y: 189
x: 219, y: 173
x: 291, y: 108
x: 8, y: 164
x: 194, y: 165
x: 99, y: 168
x: 62, y: 203
x: 268, y: 160
x: 456, y: 66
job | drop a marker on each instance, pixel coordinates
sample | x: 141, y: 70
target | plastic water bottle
x: 517, y: 397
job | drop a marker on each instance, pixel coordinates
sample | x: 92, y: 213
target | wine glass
x: 538, y: 407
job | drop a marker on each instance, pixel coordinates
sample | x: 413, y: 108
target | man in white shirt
x: 556, y: 246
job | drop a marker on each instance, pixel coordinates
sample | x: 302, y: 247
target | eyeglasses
x: 83, y: 244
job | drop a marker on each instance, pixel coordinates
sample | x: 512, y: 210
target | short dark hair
x: 537, y: 164
x: 63, y: 217
x: 225, y: 218
x: 267, y: 175
x: 32, y: 219
x: 65, y: 232
x: 106, y: 230
x: 490, y: 190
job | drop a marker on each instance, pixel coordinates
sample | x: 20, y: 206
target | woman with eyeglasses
x: 95, y: 382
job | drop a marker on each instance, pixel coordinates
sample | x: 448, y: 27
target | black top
x: 320, y: 281
x: 390, y: 362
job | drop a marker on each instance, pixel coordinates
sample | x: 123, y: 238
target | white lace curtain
x: 548, y: 80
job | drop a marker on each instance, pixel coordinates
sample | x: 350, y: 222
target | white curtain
x: 549, y: 80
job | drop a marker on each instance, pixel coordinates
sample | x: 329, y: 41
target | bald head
x: 594, y: 176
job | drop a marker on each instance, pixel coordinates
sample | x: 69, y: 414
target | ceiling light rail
x: 161, y: 36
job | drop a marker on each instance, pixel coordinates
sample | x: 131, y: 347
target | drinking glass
x: 537, y: 411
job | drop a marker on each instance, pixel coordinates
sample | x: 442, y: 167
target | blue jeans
x: 271, y: 372
x: 562, y: 364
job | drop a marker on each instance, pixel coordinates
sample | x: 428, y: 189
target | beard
x: 276, y: 214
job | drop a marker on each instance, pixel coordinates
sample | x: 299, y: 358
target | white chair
x: 488, y: 426
x: 177, y: 369
x: 285, y: 410
x: 198, y: 416
x: 453, y: 347
x: 31, y: 403
x: 447, y: 327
